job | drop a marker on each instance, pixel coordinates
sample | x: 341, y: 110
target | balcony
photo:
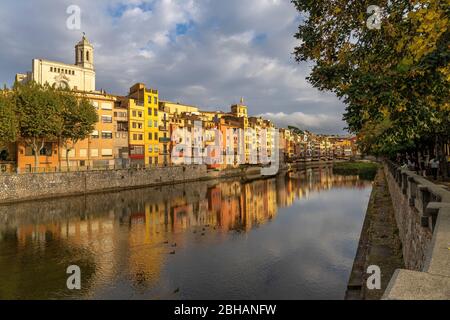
x: 164, y: 140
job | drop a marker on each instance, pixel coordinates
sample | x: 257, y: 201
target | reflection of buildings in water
x: 145, y: 230
x: 85, y: 241
x: 228, y: 205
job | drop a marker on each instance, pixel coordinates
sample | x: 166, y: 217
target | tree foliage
x: 78, y: 120
x: 8, y: 121
x: 393, y: 80
x: 37, y: 114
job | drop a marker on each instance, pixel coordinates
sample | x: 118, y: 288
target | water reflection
x: 199, y: 240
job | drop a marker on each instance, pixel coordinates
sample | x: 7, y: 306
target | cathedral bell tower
x: 84, y: 54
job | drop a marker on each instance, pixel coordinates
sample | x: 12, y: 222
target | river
x: 290, y: 237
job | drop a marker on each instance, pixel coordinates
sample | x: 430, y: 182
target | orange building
x: 47, y: 159
x: 97, y: 151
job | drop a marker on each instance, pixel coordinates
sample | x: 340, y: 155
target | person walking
x: 434, y: 163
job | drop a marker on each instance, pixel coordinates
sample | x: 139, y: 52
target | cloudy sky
x: 208, y: 53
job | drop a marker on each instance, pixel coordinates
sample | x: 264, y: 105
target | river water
x: 290, y: 237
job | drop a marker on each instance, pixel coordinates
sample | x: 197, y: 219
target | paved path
x: 379, y: 244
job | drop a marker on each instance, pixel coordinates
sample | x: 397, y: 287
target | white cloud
x: 223, y: 50
x: 320, y: 123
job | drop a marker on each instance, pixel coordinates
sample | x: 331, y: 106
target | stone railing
x: 422, y: 212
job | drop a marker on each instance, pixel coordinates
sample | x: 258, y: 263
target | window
x: 122, y: 126
x: 156, y: 123
x: 155, y: 112
x: 140, y: 137
x: 140, y: 114
x: 107, y: 135
x: 106, y: 106
x: 87, y: 55
x: 95, y: 104
x: 134, y: 136
x: 150, y: 136
x: 83, y: 153
x: 94, y: 134
x: 94, y: 152
x: 156, y: 148
x: 134, y: 113
x: 71, y: 153
x: 149, y: 99
x: 150, y: 123
x: 139, y: 125
x: 51, y: 69
x: 107, y: 152
x: 150, y: 160
x: 46, y: 151
x: 136, y: 150
x: 156, y: 135
x: 106, y: 119
x: 155, y: 100
x: 150, y: 149
x: 149, y: 111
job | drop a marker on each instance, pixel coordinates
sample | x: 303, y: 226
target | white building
x: 80, y: 76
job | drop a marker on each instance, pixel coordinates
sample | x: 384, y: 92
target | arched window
x: 87, y: 55
x: 63, y: 85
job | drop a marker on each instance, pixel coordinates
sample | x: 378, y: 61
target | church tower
x: 84, y: 54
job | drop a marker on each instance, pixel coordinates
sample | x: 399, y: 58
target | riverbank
x: 379, y: 244
x: 364, y: 169
x: 407, y: 234
x: 35, y: 186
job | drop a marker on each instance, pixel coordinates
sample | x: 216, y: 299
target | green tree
x: 394, y: 80
x: 8, y: 121
x: 39, y: 117
x: 78, y: 120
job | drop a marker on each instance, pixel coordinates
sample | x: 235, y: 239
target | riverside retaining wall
x: 422, y: 212
x: 19, y: 187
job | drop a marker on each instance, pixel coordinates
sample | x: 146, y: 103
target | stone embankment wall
x: 422, y: 212
x: 33, y: 186
x: 18, y: 187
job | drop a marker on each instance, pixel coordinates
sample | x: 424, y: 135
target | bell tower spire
x: 84, y: 53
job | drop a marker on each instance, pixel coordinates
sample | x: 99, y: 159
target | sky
x: 207, y: 53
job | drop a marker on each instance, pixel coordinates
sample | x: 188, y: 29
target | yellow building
x: 240, y: 111
x: 136, y: 121
x: 164, y: 136
x: 147, y: 123
x: 177, y: 108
